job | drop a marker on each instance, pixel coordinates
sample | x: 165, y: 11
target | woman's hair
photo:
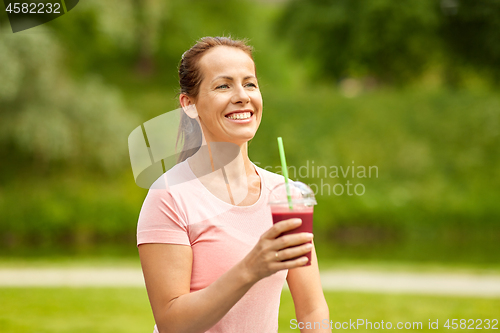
x: 190, y: 77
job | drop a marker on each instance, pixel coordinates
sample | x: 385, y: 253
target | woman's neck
x: 225, y: 170
x: 213, y: 156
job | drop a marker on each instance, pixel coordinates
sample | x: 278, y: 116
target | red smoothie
x: 305, y: 214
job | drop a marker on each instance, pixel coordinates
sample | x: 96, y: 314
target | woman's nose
x: 240, y: 96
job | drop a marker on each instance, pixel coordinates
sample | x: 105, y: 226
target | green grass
x: 107, y: 310
x: 89, y: 310
x: 396, y: 308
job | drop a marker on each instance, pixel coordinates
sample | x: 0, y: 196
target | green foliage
x: 391, y: 40
x: 71, y: 211
x: 471, y: 32
x: 115, y: 33
x: 146, y: 37
x: 395, y: 41
x: 48, y: 116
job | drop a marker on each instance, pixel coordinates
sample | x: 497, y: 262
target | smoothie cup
x: 302, y: 206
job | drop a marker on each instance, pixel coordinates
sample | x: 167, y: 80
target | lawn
x: 107, y: 310
x: 345, y: 306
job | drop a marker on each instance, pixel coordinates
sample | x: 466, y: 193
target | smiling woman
x: 211, y: 256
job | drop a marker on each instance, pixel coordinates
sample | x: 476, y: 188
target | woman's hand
x: 266, y: 258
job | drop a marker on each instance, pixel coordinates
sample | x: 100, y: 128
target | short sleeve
x: 160, y: 220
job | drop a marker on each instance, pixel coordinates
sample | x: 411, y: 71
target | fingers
x: 281, y: 227
x: 263, y: 260
x: 294, y: 252
x: 285, y: 241
x: 292, y: 263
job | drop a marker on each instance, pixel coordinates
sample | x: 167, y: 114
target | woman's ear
x: 187, y: 105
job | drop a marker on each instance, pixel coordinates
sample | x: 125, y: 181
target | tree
x: 471, y: 35
x: 47, y: 115
x: 391, y: 40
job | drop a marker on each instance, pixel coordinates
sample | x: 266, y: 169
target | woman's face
x: 229, y: 102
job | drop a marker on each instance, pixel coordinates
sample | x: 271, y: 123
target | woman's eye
x: 250, y: 84
x: 222, y: 86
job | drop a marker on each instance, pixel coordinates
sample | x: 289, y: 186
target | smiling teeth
x: 242, y: 115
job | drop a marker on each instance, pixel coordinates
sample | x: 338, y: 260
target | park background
x: 409, y: 87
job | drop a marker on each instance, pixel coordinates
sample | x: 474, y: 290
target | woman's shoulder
x: 174, y: 187
x: 175, y: 184
x: 178, y: 174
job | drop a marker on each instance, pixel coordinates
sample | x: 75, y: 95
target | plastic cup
x: 303, y: 201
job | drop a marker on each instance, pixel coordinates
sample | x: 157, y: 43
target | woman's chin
x: 242, y: 138
x: 241, y: 135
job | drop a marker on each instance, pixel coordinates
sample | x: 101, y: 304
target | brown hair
x: 190, y: 77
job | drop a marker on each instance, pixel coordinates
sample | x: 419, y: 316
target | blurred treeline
x: 411, y: 88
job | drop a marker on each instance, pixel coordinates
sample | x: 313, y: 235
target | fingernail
x: 297, y: 221
x: 309, y: 246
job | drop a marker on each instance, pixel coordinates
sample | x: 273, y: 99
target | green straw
x: 285, y: 171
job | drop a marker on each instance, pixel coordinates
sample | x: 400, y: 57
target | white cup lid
x: 300, y: 193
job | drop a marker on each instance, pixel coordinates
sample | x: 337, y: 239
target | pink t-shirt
x: 220, y: 236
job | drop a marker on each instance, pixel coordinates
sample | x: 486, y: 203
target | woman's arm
x: 308, y: 298
x: 167, y: 273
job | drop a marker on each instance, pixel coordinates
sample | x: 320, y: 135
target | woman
x: 214, y: 262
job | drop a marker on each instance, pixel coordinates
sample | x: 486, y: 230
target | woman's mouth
x: 240, y: 115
